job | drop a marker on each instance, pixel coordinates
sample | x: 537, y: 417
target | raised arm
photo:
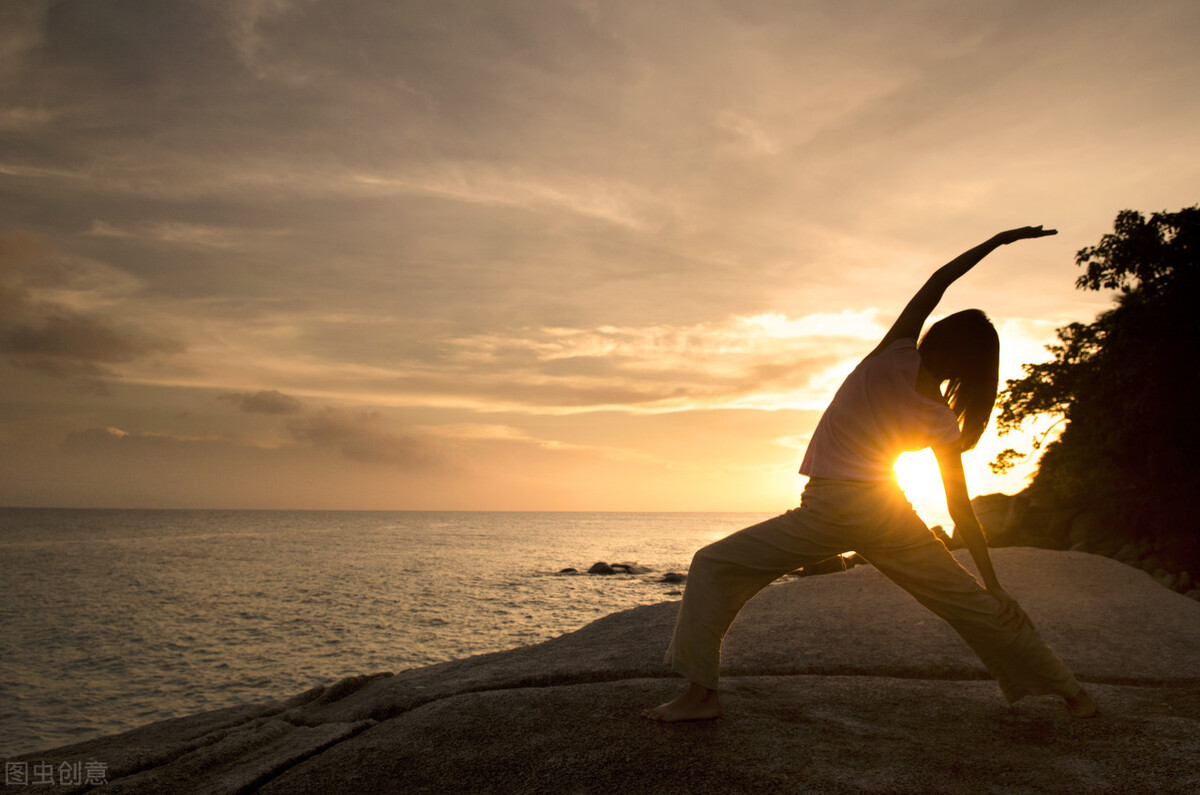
x: 921, y: 305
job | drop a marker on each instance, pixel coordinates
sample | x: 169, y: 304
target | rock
x: 568, y: 570
x: 673, y: 577
x: 867, y: 735
x: 1040, y: 540
x: 1193, y: 594
x: 832, y: 684
x: 1151, y: 564
x: 1087, y: 528
x: 1184, y: 582
x: 1164, y: 578
x: 1106, y: 545
x: 992, y: 510
x: 617, y: 568
x: 1131, y: 553
x: 1030, y: 518
x: 1182, y: 549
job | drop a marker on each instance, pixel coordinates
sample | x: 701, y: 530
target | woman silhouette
x: 892, y: 402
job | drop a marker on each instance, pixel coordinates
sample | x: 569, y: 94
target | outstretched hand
x: 1024, y: 233
x: 1009, y: 610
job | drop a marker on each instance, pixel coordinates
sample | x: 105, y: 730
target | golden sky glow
x: 565, y: 255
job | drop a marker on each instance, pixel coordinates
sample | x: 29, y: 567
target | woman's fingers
x: 1008, y: 611
x: 1025, y: 232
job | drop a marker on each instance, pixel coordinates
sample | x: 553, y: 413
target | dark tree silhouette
x: 1127, y: 387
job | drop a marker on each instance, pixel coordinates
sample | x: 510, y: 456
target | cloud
x: 62, y: 342
x: 622, y: 204
x: 52, y: 338
x: 17, y: 250
x: 265, y: 402
x: 176, y: 232
x: 364, y: 437
x: 109, y: 440
x: 767, y: 360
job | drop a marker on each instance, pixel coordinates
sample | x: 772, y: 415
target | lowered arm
x: 967, y: 527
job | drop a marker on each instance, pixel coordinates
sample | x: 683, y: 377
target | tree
x: 1126, y: 387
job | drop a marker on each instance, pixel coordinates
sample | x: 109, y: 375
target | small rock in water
x: 673, y: 577
x: 568, y: 570
x: 630, y: 568
x: 601, y: 568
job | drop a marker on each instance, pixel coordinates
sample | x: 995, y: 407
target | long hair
x: 965, y: 349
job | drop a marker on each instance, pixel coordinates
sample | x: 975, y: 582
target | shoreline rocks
x: 1029, y: 519
x: 607, y: 569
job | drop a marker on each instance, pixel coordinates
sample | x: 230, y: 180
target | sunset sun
x: 918, y: 475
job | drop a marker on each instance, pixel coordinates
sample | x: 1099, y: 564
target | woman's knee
x: 703, y: 559
x: 709, y: 562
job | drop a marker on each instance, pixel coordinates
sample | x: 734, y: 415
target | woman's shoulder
x: 898, y: 347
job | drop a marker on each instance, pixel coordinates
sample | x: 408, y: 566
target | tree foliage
x: 1126, y: 386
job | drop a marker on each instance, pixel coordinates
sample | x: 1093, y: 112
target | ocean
x: 116, y: 618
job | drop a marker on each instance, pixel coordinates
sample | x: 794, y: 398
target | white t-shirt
x: 876, y: 415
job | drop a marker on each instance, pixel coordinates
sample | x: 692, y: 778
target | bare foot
x: 696, y: 703
x: 1081, y: 706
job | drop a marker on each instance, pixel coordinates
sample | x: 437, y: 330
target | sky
x: 554, y: 255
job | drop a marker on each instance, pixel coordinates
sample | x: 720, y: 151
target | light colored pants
x: 876, y: 521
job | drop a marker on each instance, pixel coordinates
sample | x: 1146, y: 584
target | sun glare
x: 918, y: 475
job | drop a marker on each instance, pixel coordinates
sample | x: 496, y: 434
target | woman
x: 893, y: 402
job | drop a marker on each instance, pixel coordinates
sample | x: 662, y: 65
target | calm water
x: 113, y: 619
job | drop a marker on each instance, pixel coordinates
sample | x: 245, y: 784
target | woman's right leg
x: 722, y: 578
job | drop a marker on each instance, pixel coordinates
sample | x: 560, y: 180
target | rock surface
x: 840, y: 683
